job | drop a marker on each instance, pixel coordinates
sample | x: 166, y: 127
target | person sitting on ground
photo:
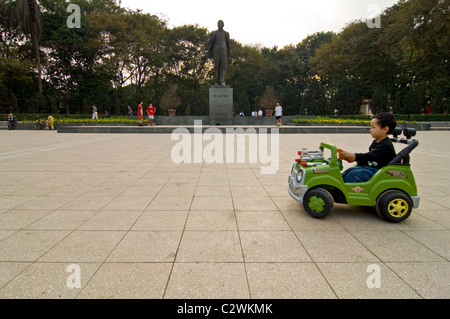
x: 49, y: 122
x: 381, y: 151
x: 11, y: 121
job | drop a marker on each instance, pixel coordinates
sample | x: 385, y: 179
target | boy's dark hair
x: 387, y: 119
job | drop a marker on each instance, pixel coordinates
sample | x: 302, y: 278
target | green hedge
x: 359, y: 118
x: 423, y: 117
x: 59, y: 117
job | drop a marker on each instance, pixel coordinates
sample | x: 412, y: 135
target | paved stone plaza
x: 112, y: 216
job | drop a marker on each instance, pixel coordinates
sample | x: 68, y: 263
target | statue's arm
x: 211, y: 39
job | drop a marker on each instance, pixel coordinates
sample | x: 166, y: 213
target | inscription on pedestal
x: 221, y: 105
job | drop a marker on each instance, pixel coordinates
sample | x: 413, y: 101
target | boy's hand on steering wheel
x: 347, y: 156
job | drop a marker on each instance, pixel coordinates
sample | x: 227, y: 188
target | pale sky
x: 264, y: 22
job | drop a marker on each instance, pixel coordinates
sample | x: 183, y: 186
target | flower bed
x: 329, y: 120
x: 324, y: 120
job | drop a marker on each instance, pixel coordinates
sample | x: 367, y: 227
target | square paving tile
x: 285, y: 203
x: 421, y: 222
x: 208, y: 281
x: 174, y: 202
x: 212, y: 203
x: 215, y: 181
x: 211, y: 220
x: 47, y: 281
x: 147, y: 246
x: 287, y: 281
x: 128, y: 281
x: 9, y: 270
x: 30, y: 190
x: 429, y: 279
x: 87, y: 203
x: 6, y: 233
x: 71, y: 190
x: 161, y: 220
x: 29, y: 245
x: 213, y: 190
x: 46, y: 203
x: 437, y: 241
x: 358, y: 280
x: 334, y: 246
x: 62, y: 220
x: 210, y: 246
x: 110, y: 190
x: 111, y: 220
x: 184, y: 190
x: 261, y: 220
x: 254, y: 203
x: 129, y: 203
x: 439, y: 217
x: 300, y: 220
x: 272, y: 246
x: 140, y: 191
x: 18, y: 219
x: 10, y: 202
x: 392, y: 246
x: 247, y: 190
x: 84, y: 246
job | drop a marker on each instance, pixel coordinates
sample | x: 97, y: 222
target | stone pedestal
x: 220, y: 105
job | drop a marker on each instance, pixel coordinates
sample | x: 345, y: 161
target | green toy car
x: 317, y: 183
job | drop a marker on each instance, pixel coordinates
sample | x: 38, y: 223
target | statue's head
x: 220, y: 24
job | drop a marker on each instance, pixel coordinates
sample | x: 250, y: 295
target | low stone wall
x: 240, y: 120
x: 179, y: 120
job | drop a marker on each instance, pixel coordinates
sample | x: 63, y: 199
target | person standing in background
x: 278, y: 114
x: 151, y: 114
x: 94, y: 112
x: 140, y: 113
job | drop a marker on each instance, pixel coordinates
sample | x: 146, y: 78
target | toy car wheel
x: 394, y: 206
x: 318, y: 202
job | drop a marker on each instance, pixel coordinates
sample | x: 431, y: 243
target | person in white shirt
x: 278, y: 113
x: 94, y: 112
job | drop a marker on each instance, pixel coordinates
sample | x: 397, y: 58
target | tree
x: 26, y: 16
x: 407, y: 101
x: 243, y: 104
x: 314, y: 101
x: 380, y: 102
x: 346, y: 100
x: 412, y: 102
x: 170, y: 99
x: 306, y: 50
x: 268, y: 100
x: 246, y: 73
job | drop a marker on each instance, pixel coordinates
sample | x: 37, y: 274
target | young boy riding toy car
x: 381, y: 178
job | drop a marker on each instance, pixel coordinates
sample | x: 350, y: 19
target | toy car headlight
x: 297, y: 173
x: 299, y: 176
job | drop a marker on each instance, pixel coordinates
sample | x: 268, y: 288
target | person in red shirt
x: 151, y: 114
x: 140, y: 114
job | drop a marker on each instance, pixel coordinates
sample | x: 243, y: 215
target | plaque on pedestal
x: 220, y: 105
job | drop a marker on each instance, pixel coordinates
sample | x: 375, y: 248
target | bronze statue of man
x: 220, y: 52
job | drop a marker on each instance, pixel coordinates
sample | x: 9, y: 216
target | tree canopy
x: 119, y: 57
